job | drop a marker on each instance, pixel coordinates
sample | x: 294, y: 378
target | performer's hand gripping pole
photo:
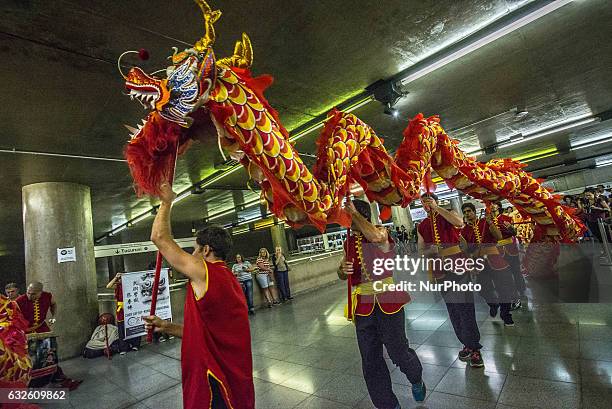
x: 158, y: 261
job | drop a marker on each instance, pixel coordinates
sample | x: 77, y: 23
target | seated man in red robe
x: 35, y: 304
x: 216, y: 361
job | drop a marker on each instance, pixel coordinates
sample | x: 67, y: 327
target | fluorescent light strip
x: 229, y: 211
x: 476, y: 44
x: 592, y: 142
x: 604, y: 163
x: 182, y: 196
x: 320, y: 123
x: 118, y: 229
x: 140, y: 217
x: 547, y: 131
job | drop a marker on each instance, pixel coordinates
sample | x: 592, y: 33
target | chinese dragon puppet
x: 15, y: 363
x: 198, y: 89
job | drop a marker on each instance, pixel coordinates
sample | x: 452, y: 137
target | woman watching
x: 264, y: 276
x: 242, y: 270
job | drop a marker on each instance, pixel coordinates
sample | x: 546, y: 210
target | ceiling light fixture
x: 517, y: 19
x: 182, y: 196
x: 601, y: 164
x: 590, y: 142
x: 549, y: 130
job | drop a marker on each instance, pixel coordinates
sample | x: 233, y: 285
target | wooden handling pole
x: 158, y: 262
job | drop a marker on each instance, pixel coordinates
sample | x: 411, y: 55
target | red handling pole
x: 349, y: 281
x: 158, y: 264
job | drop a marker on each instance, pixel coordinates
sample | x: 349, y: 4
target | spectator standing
x: 264, y: 276
x: 281, y: 268
x: 592, y: 209
x: 132, y: 343
x: 242, y: 270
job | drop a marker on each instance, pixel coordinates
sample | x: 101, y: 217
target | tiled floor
x: 305, y: 356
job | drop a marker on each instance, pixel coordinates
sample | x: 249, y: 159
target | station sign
x: 124, y: 249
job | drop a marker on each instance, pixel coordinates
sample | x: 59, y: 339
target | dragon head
x: 173, y: 96
x: 186, y: 87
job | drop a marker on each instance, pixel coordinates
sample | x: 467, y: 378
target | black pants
x: 217, y: 400
x: 282, y: 283
x: 498, y: 288
x: 460, y: 306
x: 374, y: 331
x: 519, y: 280
x: 126, y: 344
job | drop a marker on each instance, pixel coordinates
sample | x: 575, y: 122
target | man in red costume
x: 216, y: 361
x: 378, y: 315
x: 508, y: 247
x: 35, y: 304
x: 481, y: 237
x: 438, y: 237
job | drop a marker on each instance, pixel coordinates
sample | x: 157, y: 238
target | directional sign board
x: 110, y: 250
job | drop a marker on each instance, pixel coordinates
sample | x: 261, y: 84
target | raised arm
x: 161, y: 234
x: 113, y: 282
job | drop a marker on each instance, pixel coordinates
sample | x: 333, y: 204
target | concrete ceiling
x: 62, y: 93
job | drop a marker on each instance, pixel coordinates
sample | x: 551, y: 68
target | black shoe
x: 464, y: 354
x: 516, y: 305
x: 251, y: 312
x: 476, y: 360
x: 508, y: 321
x: 276, y: 303
x: 493, y: 308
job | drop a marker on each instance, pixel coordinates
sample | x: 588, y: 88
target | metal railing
x: 605, y: 229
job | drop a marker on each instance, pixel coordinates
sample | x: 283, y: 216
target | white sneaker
x: 122, y: 353
x: 134, y: 348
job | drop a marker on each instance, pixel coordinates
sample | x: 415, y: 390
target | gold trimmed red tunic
x: 479, y: 233
x: 436, y: 230
x: 364, y: 296
x: 507, y: 245
x: 217, y: 343
x: 35, y: 311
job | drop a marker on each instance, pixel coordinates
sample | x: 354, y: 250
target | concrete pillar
x: 279, y: 238
x: 58, y: 215
x: 401, y: 217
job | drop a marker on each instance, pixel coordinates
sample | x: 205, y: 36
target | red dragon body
x: 198, y: 88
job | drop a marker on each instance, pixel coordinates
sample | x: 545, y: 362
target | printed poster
x: 137, y: 295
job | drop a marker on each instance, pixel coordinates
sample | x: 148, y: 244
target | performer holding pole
x: 378, y: 315
x: 438, y: 236
x: 216, y: 361
x: 508, y: 248
x: 482, y: 235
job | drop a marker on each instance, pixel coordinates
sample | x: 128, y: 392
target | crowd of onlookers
x: 591, y: 205
x: 271, y: 273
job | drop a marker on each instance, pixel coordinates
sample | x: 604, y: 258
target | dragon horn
x: 210, y: 17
